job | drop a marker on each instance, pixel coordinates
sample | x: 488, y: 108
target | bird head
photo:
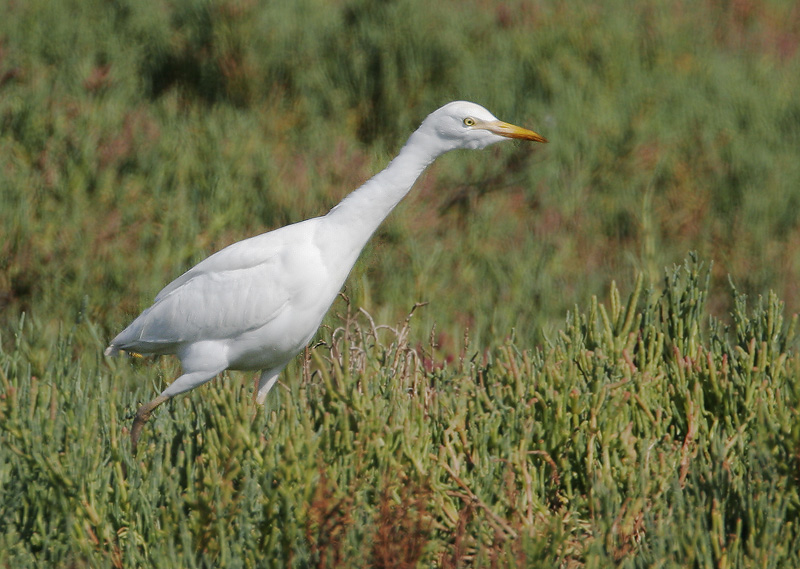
x: 462, y: 124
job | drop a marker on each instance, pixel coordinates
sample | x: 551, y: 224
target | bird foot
x: 142, y: 415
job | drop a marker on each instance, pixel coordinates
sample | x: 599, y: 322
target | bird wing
x: 240, y: 288
x: 217, y: 305
x: 242, y: 255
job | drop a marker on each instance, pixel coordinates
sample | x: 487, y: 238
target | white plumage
x: 257, y: 303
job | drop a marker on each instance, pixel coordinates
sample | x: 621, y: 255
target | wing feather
x: 238, y: 289
x: 217, y: 305
x: 241, y: 255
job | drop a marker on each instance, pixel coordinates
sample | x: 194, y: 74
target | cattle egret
x: 257, y: 303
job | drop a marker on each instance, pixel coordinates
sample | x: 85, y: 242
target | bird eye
x: 469, y: 121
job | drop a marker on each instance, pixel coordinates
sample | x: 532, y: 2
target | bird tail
x: 114, y: 350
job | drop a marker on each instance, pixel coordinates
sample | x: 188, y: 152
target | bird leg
x: 266, y: 381
x: 142, y: 415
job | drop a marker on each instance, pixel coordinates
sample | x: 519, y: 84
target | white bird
x: 257, y: 303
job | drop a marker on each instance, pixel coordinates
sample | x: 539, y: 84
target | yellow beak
x: 511, y: 131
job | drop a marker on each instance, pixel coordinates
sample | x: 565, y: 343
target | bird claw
x: 138, y: 425
x: 142, y: 416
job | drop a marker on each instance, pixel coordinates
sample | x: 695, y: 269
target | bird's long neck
x: 358, y: 215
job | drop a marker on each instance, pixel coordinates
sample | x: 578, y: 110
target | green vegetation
x: 650, y: 436
x: 514, y: 420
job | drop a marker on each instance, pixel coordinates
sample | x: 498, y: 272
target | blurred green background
x: 139, y: 137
